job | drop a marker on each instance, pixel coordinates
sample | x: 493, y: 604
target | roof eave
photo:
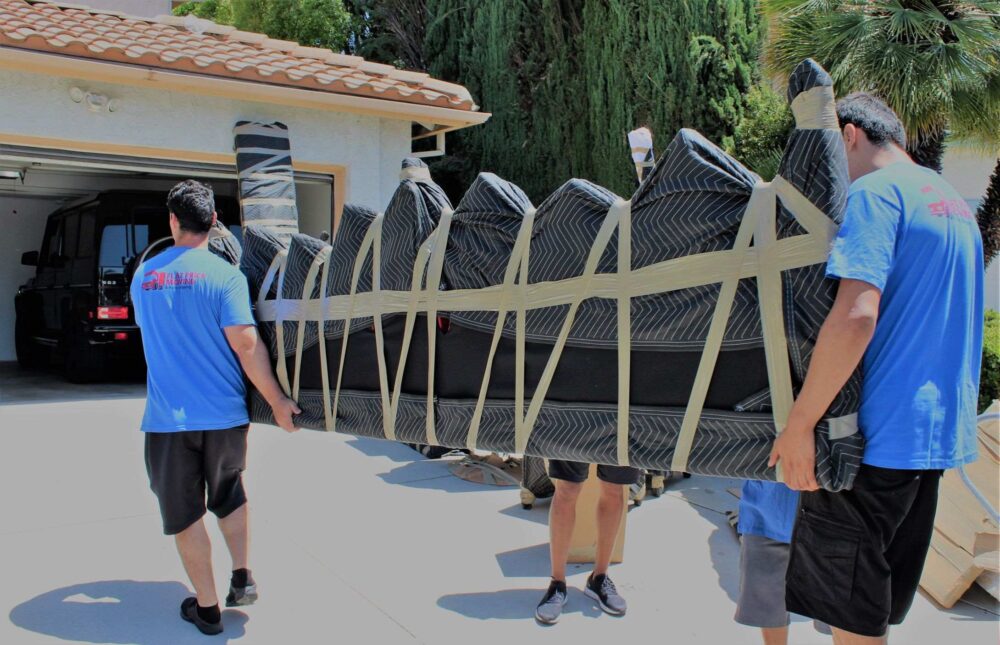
x: 22, y: 60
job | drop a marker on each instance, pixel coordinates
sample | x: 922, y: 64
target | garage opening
x: 36, y: 182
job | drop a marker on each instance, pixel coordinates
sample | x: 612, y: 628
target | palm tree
x: 935, y: 62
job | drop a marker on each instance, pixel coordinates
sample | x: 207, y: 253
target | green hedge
x: 989, y: 377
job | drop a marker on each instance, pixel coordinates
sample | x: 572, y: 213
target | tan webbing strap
x: 805, y: 212
x: 388, y: 427
x: 307, y: 287
x: 272, y: 223
x: 434, y: 270
x: 772, y: 318
x: 520, y: 338
x: 521, y: 244
x: 624, y: 325
x: 267, y: 201
x: 716, y: 334
x: 596, y: 250
x: 815, y: 109
x: 375, y: 228
x: 279, y: 328
x: 324, y: 375
x: 416, y: 278
x: 415, y: 173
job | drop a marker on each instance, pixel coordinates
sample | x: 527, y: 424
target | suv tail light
x: 112, y: 313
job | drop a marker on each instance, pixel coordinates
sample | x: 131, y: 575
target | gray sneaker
x: 601, y: 589
x: 551, y: 606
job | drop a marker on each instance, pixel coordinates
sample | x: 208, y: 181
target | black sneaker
x: 551, y: 606
x: 601, y: 589
x: 242, y: 596
x: 189, y: 612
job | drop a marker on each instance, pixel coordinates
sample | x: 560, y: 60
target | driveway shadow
x: 119, y: 611
x: 512, y: 604
x: 435, y: 474
x: 397, y: 452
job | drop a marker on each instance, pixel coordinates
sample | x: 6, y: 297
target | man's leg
x: 196, y: 553
x: 562, y: 517
x: 235, y: 529
x: 610, y: 508
x: 775, y: 635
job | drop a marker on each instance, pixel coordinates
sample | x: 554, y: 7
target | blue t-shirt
x: 768, y: 509
x: 183, y: 300
x: 907, y: 232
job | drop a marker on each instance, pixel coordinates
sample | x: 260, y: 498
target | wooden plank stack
x: 966, y: 539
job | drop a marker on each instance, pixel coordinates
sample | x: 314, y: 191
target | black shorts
x: 181, y: 465
x: 857, y: 555
x: 577, y: 472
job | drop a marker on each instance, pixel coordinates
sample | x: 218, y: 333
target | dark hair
x: 879, y: 123
x: 193, y: 203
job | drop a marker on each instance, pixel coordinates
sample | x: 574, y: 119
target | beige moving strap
x: 815, y: 109
x: 624, y: 209
x: 764, y: 261
x: 383, y: 379
x: 772, y: 320
x: 277, y: 268
x: 517, y: 257
x: 416, y: 277
x: 323, y: 373
x: 416, y: 173
x: 307, y: 287
x: 716, y: 333
x: 374, y: 229
x: 432, y: 288
x: 596, y: 250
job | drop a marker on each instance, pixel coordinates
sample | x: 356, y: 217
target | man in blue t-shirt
x: 197, y: 333
x: 909, y: 310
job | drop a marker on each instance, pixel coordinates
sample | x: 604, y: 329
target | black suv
x: 77, y: 308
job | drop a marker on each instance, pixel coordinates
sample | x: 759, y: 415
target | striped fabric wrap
x: 705, y: 263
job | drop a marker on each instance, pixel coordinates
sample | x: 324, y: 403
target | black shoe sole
x: 245, y: 601
x: 209, y: 629
x: 590, y: 593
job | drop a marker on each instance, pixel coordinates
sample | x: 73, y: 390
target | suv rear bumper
x: 109, y: 341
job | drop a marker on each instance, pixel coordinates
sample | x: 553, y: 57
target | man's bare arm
x: 841, y: 344
x: 253, y: 356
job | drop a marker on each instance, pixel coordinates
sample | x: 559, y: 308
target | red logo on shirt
x: 159, y: 280
x: 947, y: 207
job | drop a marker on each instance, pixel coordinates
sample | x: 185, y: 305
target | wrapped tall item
x: 669, y: 331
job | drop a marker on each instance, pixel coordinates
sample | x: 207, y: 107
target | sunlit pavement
x: 354, y: 541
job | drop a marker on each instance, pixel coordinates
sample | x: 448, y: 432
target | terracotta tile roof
x: 193, y: 45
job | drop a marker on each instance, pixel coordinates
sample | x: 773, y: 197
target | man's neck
x: 889, y: 155
x: 192, y: 240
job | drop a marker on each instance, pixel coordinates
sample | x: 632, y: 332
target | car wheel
x: 82, y: 363
x: 28, y: 354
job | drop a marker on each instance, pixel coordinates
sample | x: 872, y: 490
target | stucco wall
x: 371, y: 148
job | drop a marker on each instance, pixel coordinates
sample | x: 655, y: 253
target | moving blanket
x: 668, y: 331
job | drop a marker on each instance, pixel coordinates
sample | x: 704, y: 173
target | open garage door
x: 35, y: 182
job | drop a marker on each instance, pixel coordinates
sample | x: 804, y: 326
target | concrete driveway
x: 354, y: 541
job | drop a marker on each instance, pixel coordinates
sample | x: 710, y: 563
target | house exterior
x: 93, y: 99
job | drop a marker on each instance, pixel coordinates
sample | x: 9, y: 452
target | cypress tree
x: 566, y: 80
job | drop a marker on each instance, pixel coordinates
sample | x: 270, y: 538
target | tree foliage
x: 315, y: 23
x: 935, y: 62
x: 988, y: 217
x: 761, y: 136
x: 566, y: 80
